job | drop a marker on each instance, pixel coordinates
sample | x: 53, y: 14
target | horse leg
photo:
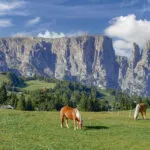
x: 67, y: 123
x: 144, y: 114
x: 78, y: 125
x: 62, y: 121
x: 74, y: 121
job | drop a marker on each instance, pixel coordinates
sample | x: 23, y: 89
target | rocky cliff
x: 88, y: 59
x: 137, y: 77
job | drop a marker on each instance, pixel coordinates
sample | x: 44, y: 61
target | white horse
x: 140, y: 108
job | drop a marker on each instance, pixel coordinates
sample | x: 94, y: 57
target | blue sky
x: 57, y: 18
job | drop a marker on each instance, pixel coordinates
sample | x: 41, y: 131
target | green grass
x: 102, y: 131
x: 36, y: 84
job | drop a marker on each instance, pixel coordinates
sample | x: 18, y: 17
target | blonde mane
x: 78, y: 115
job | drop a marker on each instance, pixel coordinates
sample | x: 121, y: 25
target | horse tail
x: 136, y: 113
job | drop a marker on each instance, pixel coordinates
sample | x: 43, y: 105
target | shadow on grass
x: 95, y: 127
x: 141, y: 119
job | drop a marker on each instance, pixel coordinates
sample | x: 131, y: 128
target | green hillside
x: 51, y: 94
x: 33, y: 85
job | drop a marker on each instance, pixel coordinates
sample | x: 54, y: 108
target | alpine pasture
x: 40, y: 130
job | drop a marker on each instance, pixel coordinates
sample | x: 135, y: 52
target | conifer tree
x: 3, y: 94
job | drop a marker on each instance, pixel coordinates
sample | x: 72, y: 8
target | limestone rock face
x: 88, y: 59
x: 137, y: 78
x: 135, y: 56
x: 122, y: 70
x: 142, y: 72
x: 3, y: 64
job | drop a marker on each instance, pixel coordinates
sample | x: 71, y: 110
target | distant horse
x: 67, y: 112
x: 140, y: 108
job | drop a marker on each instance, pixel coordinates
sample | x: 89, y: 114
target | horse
x: 67, y: 112
x: 140, y: 108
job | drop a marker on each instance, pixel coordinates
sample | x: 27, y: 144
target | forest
x: 14, y: 92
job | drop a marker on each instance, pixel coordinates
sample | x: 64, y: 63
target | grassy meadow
x: 33, y: 85
x: 22, y: 130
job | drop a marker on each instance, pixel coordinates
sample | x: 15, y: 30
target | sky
x: 125, y: 21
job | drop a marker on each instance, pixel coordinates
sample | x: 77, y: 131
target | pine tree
x: 3, y: 94
x: 29, y: 105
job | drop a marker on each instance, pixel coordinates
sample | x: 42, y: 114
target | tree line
x: 65, y: 93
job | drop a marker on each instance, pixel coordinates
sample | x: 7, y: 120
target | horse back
x: 68, y: 112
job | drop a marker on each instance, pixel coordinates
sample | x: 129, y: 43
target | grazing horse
x: 67, y: 112
x: 140, y: 108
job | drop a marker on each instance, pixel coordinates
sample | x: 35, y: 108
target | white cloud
x: 122, y: 44
x: 10, y: 5
x: 128, y: 29
x: 48, y: 34
x: 5, y: 23
x: 33, y: 21
x: 13, y: 8
x: 122, y: 47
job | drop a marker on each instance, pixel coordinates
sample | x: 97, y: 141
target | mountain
x: 88, y: 59
x: 137, y: 78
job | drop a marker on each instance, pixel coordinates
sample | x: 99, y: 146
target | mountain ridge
x: 88, y: 59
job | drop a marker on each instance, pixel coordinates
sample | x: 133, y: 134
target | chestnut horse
x: 140, y: 108
x: 67, y: 112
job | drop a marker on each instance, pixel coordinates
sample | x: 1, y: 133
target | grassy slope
x: 101, y: 131
x: 36, y: 84
x: 30, y: 85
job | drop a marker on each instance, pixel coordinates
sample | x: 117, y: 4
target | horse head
x: 78, y: 116
x: 80, y: 124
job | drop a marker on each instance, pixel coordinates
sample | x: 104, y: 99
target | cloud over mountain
x: 128, y: 29
x: 48, y: 34
x: 53, y: 34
